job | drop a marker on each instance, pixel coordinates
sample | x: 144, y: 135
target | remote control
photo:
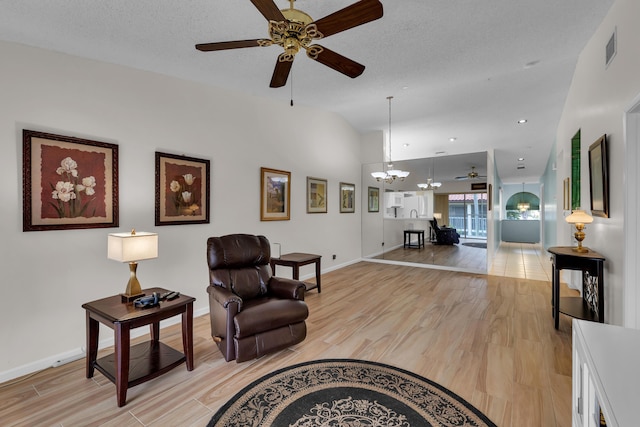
x: 173, y: 295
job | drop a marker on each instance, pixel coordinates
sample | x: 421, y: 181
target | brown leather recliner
x: 252, y: 312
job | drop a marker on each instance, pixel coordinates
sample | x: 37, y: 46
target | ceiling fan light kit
x: 293, y: 29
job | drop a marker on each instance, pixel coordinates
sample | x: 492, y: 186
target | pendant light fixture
x: 430, y: 184
x: 391, y: 174
x: 523, y: 206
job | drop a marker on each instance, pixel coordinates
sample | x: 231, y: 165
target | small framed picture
x: 599, y: 178
x: 275, y: 195
x: 347, y: 198
x: 316, y: 195
x: 68, y: 182
x: 182, y: 190
x: 373, y: 199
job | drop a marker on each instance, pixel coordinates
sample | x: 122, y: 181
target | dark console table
x: 407, y: 239
x: 591, y: 305
x: 130, y: 366
x: 295, y: 260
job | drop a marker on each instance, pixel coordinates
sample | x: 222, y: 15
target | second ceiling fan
x: 471, y: 175
x: 293, y: 29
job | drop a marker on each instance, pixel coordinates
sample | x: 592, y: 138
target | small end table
x: 407, y: 239
x: 591, y: 305
x: 152, y: 358
x: 295, y: 260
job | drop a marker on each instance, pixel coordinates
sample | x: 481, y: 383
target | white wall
x: 46, y: 276
x: 596, y: 103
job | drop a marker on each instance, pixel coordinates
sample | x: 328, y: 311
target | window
x: 468, y: 214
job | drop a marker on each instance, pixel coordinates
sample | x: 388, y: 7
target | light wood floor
x: 489, y: 339
x: 458, y: 256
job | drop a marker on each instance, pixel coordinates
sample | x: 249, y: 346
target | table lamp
x: 132, y: 247
x: 579, y: 218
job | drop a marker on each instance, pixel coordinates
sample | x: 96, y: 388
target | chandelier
x: 523, y: 206
x: 430, y: 184
x: 391, y: 174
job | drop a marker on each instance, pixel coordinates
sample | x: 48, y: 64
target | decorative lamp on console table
x: 579, y: 218
x: 132, y: 247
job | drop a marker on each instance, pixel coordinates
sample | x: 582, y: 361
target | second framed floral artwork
x: 182, y: 190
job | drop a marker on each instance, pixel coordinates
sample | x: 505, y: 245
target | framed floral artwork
x: 347, y: 198
x: 316, y: 195
x: 68, y: 182
x: 182, y: 190
x: 373, y: 199
x: 275, y: 195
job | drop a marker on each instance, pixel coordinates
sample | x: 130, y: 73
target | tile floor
x: 522, y: 260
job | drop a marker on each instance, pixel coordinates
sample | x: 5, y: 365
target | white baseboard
x: 79, y: 353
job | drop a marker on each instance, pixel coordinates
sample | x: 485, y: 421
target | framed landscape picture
x: 316, y: 195
x: 68, y: 182
x: 275, y: 195
x: 347, y: 198
x: 182, y: 190
x: 373, y: 199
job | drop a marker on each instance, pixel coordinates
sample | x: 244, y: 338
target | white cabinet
x: 394, y: 199
x: 606, y: 375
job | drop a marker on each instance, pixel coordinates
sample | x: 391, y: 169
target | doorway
x: 468, y: 214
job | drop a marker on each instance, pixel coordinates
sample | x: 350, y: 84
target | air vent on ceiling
x: 520, y: 167
x: 611, y: 48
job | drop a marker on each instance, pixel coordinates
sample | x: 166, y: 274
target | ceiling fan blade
x: 269, y: 10
x: 461, y: 178
x: 281, y: 73
x: 334, y: 60
x: 358, y: 13
x: 209, y: 47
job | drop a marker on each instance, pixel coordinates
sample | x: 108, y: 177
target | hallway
x: 521, y: 260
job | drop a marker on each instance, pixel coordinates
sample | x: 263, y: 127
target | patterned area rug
x: 345, y: 392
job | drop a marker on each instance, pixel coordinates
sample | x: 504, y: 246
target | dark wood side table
x: 295, y: 260
x: 407, y: 239
x: 129, y: 366
x: 591, y: 305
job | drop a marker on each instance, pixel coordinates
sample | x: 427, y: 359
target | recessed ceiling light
x: 405, y: 145
x: 405, y: 87
x: 522, y: 121
x: 521, y: 159
x: 453, y: 139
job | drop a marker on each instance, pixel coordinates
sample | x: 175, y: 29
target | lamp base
x: 133, y: 290
x: 130, y: 298
x: 580, y: 249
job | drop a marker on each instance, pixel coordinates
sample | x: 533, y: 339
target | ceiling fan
x: 471, y: 175
x: 293, y: 29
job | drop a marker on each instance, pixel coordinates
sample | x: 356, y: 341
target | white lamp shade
x: 127, y: 247
x: 378, y: 175
x: 579, y: 217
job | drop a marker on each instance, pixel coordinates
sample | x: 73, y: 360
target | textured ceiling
x: 467, y: 69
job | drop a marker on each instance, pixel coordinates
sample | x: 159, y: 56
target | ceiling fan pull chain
x: 291, y: 87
